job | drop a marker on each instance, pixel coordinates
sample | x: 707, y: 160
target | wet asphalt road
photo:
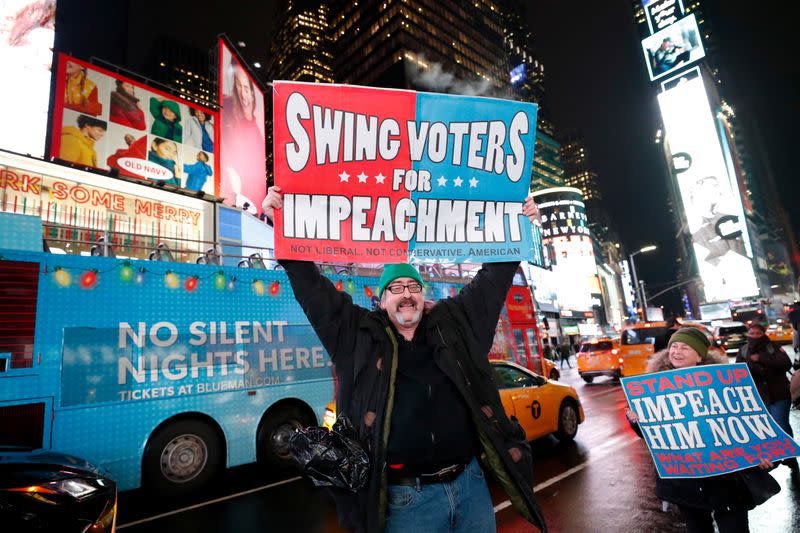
x: 604, y: 481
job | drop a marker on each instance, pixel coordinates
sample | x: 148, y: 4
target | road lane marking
x: 614, y: 442
x: 209, y: 502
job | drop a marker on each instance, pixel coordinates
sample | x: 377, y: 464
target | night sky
x: 596, y: 84
x: 598, y: 87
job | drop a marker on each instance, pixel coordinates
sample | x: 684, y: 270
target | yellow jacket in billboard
x: 77, y: 147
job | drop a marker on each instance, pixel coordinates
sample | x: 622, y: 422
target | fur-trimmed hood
x: 659, y: 361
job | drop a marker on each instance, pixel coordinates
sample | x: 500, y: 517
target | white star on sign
x: 362, y: 178
x: 379, y: 178
x: 458, y: 181
x: 442, y: 181
x: 344, y: 176
x: 473, y: 182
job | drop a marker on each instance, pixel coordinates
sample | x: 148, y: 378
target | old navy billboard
x: 381, y: 175
x: 710, y: 194
x: 106, y: 121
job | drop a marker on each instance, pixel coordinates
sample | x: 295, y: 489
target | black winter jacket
x: 363, y: 347
x: 769, y: 372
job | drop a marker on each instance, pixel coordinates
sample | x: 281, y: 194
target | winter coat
x: 363, y: 346
x: 196, y: 175
x: 169, y: 164
x: 194, y: 134
x: 137, y: 150
x: 77, y: 147
x: 769, y: 372
x: 125, y: 110
x: 172, y: 131
x: 721, y: 492
x: 80, y: 95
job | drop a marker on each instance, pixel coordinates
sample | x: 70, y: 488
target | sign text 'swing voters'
x: 705, y: 421
x: 381, y: 175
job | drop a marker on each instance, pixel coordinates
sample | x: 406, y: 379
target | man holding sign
x: 386, y: 176
x: 708, y: 432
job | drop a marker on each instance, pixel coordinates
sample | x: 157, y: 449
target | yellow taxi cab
x: 638, y: 342
x: 780, y: 333
x: 599, y: 357
x: 541, y: 406
x: 550, y: 368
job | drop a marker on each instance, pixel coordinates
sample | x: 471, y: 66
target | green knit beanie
x: 695, y: 338
x: 397, y: 270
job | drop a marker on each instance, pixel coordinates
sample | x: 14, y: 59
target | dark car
x: 41, y: 490
x: 730, y: 336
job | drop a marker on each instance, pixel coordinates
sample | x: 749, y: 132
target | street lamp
x: 637, y: 287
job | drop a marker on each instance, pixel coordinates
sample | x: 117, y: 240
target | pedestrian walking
x: 564, y: 353
x: 768, y: 365
x: 722, y: 499
x: 418, y: 386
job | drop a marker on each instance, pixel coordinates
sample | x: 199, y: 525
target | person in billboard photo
x: 719, y: 232
x: 80, y: 93
x: 165, y: 153
x: 134, y: 148
x: 198, y: 172
x: 125, y: 108
x: 200, y: 130
x: 77, y: 142
x: 243, y: 139
x: 166, y: 119
x: 668, y: 55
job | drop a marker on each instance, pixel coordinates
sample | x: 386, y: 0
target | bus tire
x: 181, y: 458
x: 588, y: 379
x: 555, y: 374
x: 568, y: 421
x: 272, y: 440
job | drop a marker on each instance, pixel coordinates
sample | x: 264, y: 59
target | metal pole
x: 636, y: 282
x: 644, y: 300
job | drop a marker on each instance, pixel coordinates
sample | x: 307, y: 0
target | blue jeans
x: 462, y: 505
x: 780, y: 412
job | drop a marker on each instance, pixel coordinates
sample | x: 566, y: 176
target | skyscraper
x: 454, y: 47
x: 300, y: 51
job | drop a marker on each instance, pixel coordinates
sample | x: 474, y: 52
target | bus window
x: 522, y: 351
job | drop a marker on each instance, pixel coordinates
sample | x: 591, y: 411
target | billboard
x: 385, y: 175
x: 27, y: 31
x: 662, y: 13
x: 673, y: 48
x: 628, y: 292
x: 566, y: 234
x: 243, y: 151
x: 710, y: 195
x: 517, y: 74
x: 106, y: 121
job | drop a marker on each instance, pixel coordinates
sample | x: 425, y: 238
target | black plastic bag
x: 331, y: 458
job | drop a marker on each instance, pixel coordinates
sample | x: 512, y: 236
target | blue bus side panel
x: 122, y: 346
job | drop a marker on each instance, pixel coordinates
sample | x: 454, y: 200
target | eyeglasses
x: 413, y: 288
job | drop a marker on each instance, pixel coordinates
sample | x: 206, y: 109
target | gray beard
x: 413, y: 320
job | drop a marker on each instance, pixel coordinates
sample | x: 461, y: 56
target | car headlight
x: 76, y: 488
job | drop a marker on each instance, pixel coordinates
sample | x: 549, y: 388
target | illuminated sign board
x: 109, y: 122
x: 517, y: 75
x: 27, y: 31
x: 243, y: 152
x: 662, y: 13
x: 566, y: 234
x: 628, y: 292
x: 710, y: 195
x: 673, y: 48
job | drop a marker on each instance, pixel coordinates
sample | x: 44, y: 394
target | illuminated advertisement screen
x: 709, y: 194
x: 517, y: 74
x: 662, y: 13
x: 566, y: 234
x: 243, y: 149
x: 628, y: 293
x: 110, y: 122
x: 27, y: 30
x: 673, y: 48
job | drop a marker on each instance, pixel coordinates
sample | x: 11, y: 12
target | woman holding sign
x: 725, y: 498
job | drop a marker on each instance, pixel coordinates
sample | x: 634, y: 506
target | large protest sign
x: 379, y: 175
x: 706, y: 420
